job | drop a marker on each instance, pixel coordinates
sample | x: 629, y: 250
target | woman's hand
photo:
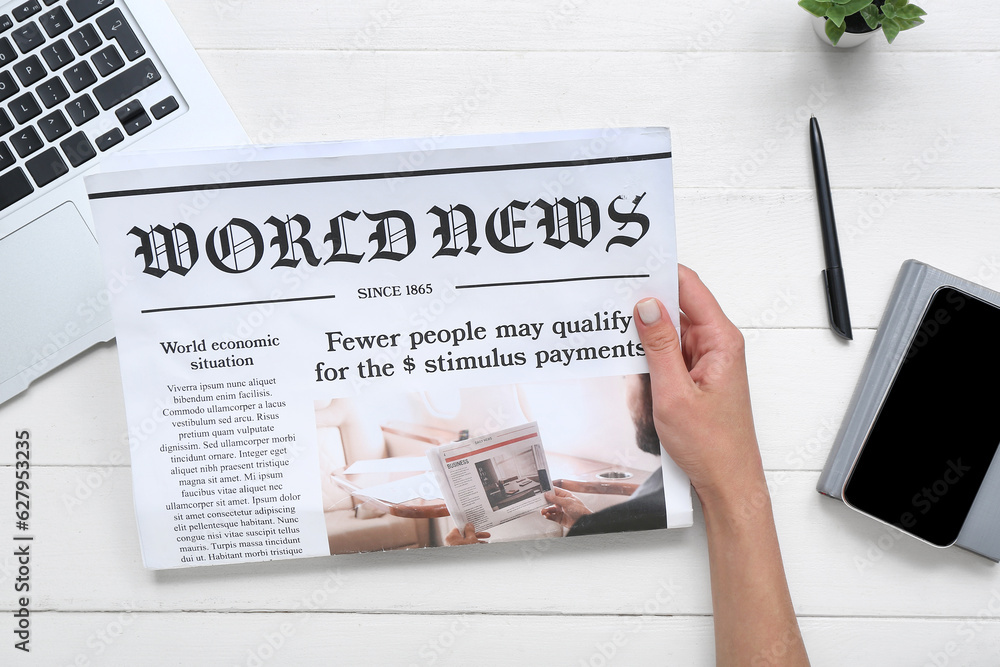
x: 701, y: 396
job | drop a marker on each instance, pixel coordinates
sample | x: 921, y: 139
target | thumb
x: 667, y: 370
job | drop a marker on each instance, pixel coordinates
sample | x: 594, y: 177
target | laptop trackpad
x: 52, y: 291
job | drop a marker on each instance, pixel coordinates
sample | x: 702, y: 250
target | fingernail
x: 649, y: 311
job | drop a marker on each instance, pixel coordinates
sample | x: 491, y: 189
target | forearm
x: 702, y: 412
x: 754, y: 620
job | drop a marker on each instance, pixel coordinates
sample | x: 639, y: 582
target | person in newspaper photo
x: 702, y: 413
x: 645, y: 509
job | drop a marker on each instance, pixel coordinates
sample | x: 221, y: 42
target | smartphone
x: 938, y: 428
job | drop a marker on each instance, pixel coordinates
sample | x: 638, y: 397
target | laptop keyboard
x: 76, y: 80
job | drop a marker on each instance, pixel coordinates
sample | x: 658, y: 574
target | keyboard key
x: 107, y: 60
x: 133, y: 117
x: 126, y: 111
x: 28, y: 37
x: 84, y: 9
x: 29, y: 70
x: 7, y: 52
x: 49, y: 3
x: 82, y: 110
x: 54, y: 125
x: 109, y: 139
x: 7, y: 86
x: 46, y: 167
x: 6, y: 124
x: 58, y: 55
x: 52, y: 92
x: 5, y: 23
x: 164, y: 107
x: 27, y: 10
x: 136, y: 123
x: 85, y: 39
x: 80, y: 76
x: 14, y: 186
x: 55, y: 22
x: 138, y: 77
x: 6, y: 157
x: 78, y: 149
x: 114, y: 26
x: 24, y: 108
x: 26, y: 141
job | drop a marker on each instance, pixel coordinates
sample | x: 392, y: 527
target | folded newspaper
x: 349, y: 347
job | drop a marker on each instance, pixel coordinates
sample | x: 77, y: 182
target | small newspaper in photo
x: 495, y: 478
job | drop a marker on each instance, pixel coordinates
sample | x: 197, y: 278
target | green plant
x: 893, y: 15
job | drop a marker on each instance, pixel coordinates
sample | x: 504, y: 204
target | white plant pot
x: 848, y: 40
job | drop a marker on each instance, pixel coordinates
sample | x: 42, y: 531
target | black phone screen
x: 935, y: 435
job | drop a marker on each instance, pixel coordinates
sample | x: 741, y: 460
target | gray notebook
x: 914, y: 288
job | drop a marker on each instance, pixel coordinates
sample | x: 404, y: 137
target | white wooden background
x: 912, y: 135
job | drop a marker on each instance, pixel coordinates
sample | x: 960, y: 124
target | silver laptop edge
x: 207, y: 120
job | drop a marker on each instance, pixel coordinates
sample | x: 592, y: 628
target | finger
x: 481, y: 535
x: 696, y: 300
x: 469, y: 530
x: 668, y: 372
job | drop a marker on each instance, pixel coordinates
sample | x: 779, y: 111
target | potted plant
x: 860, y: 19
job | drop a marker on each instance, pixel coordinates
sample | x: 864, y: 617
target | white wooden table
x: 912, y: 133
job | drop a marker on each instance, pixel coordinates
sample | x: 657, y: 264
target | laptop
x: 79, y: 80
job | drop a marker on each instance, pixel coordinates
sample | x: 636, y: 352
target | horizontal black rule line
x: 553, y: 280
x: 381, y: 175
x: 237, y: 303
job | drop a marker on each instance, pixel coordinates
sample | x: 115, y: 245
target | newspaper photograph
x: 341, y: 348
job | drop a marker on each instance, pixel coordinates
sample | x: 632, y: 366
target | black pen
x: 836, y: 292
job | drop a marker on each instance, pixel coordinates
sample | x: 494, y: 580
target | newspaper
x: 495, y: 478
x: 297, y: 326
